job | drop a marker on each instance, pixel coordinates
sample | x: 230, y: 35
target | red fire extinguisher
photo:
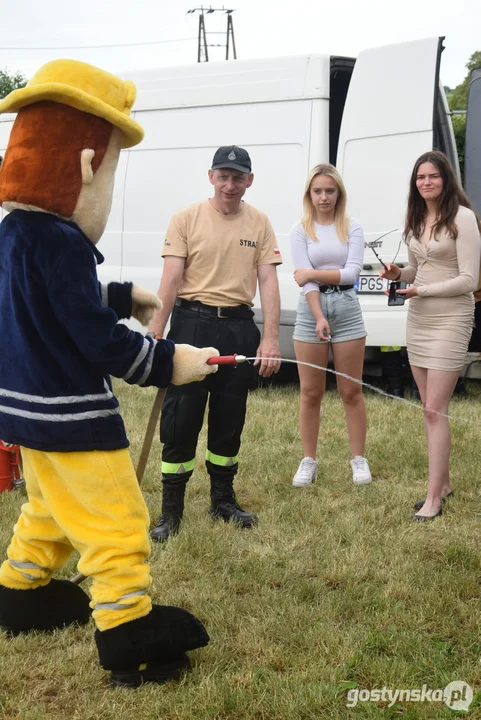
x: 10, y: 467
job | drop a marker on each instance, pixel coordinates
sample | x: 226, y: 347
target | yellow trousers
x: 90, y: 502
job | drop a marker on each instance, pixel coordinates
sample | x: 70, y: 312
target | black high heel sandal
x: 418, y: 505
x: 426, y: 518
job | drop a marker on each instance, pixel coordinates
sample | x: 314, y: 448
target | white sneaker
x: 306, y: 472
x: 361, y: 475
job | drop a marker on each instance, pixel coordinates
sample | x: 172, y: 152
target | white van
x: 371, y: 117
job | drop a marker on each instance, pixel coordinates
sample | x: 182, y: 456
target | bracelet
x: 398, y: 277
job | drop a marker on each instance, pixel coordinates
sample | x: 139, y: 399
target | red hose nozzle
x: 226, y: 360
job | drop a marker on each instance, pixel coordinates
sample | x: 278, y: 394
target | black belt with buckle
x: 232, y: 311
x: 334, y: 288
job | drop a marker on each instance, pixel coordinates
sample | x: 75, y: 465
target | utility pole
x: 202, y: 44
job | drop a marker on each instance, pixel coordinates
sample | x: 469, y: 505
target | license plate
x: 371, y: 284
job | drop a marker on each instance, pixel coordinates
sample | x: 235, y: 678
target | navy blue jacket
x: 58, y: 343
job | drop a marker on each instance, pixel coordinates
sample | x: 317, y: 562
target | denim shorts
x: 341, y: 310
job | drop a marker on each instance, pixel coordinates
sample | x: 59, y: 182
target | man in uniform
x: 214, y: 253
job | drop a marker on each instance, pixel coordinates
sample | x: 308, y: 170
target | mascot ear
x: 86, y: 160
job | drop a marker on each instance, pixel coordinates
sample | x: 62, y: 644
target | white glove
x: 190, y: 364
x: 144, y: 304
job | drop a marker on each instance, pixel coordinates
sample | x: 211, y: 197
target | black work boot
x: 416, y: 395
x: 395, y: 387
x: 392, y: 370
x: 172, y: 507
x: 223, y: 502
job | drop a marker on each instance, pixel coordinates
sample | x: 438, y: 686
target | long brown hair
x: 341, y: 220
x: 452, y: 196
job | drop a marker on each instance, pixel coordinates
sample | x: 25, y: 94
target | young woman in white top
x: 327, y: 251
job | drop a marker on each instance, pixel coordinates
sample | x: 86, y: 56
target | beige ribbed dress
x: 440, y: 318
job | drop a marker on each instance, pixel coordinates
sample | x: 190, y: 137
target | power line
x: 202, y: 44
x: 209, y: 10
x: 91, y: 47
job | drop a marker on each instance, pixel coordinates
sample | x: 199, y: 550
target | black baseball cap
x: 231, y: 156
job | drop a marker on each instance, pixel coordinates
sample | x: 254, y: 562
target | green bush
x: 459, y: 128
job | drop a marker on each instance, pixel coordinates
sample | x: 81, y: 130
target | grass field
x: 335, y: 589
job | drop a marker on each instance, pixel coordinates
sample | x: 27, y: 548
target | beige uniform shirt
x: 221, y: 252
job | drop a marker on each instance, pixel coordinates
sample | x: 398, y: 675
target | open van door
x: 388, y: 121
x: 392, y: 115
x: 472, y: 155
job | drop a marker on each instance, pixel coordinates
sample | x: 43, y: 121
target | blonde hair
x: 341, y: 219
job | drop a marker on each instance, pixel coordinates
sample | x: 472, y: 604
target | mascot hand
x: 190, y: 364
x: 144, y: 304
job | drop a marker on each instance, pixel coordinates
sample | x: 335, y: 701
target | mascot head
x: 73, y: 119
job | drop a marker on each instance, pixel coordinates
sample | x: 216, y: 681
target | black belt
x: 334, y: 288
x: 237, y: 311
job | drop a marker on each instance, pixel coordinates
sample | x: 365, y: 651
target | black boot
x: 395, y: 389
x: 392, y: 370
x: 152, y: 648
x: 415, y: 391
x: 223, y: 502
x: 172, y: 507
x: 52, y: 606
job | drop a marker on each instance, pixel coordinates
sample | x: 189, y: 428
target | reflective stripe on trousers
x: 224, y: 392
x: 90, y: 502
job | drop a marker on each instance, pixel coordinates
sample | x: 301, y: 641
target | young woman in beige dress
x: 442, y: 233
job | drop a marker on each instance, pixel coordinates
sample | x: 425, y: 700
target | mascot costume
x: 62, y: 340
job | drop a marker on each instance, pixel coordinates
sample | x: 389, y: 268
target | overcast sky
x: 262, y: 28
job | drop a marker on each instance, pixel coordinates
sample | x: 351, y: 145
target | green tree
x: 459, y: 129
x: 459, y: 97
x: 10, y: 82
x: 458, y: 100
